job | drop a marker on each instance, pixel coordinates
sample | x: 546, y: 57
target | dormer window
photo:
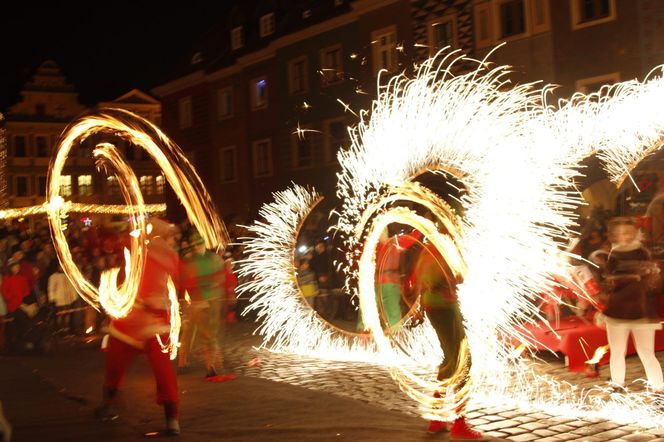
x: 267, y: 24
x: 237, y: 38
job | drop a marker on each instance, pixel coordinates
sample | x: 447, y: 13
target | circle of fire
x: 178, y: 172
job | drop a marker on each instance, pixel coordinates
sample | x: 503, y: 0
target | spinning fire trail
x: 118, y: 300
x: 516, y: 159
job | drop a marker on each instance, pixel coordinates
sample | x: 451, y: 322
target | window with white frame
x: 442, y: 33
x: 331, y: 64
x: 336, y: 137
x: 22, y: 188
x: 41, y: 146
x: 228, y: 163
x: 184, y: 113
x: 511, y: 18
x: 384, y: 49
x: 482, y: 19
x: 224, y: 103
x: 593, y: 84
x: 160, y: 184
x: 592, y: 12
x: 258, y: 93
x: 267, y: 24
x: 302, y: 149
x: 65, y: 185
x: 20, y: 146
x: 262, y: 156
x: 297, y: 75
x: 237, y: 38
x: 147, y: 184
x: 112, y: 187
x: 85, y: 185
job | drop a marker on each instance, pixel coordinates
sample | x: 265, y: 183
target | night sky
x: 104, y: 48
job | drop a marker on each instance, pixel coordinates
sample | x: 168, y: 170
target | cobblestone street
x: 373, y: 385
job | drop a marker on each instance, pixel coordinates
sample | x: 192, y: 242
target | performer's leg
x: 167, y: 388
x: 118, y: 358
x: 617, y: 337
x: 214, y: 321
x: 644, y: 341
x: 391, y: 301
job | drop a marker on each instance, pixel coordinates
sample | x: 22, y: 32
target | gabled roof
x: 136, y: 96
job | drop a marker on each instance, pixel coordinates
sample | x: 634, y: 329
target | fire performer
x: 138, y: 332
x: 204, y: 279
x: 435, y: 284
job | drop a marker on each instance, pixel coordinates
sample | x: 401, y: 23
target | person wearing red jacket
x: 138, y: 332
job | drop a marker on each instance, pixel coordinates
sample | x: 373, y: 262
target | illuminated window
x: 267, y: 24
x: 262, y: 151
x: 384, y: 49
x: 237, y: 38
x: 147, y: 184
x: 160, y: 184
x: 297, y: 74
x: 331, y: 64
x: 65, y: 185
x: 85, y: 185
x: 184, y: 113
x: 259, y: 93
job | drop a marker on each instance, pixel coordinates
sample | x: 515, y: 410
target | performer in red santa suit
x: 137, y: 332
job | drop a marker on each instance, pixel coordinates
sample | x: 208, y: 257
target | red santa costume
x: 137, y: 333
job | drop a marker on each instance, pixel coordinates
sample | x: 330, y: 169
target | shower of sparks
x: 517, y: 158
x: 346, y: 107
x: 116, y: 299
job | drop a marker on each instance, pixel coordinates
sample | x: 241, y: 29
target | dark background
x: 103, y: 48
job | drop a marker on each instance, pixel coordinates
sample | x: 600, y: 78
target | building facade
x: 270, y: 101
x: 33, y: 126
x: 577, y: 44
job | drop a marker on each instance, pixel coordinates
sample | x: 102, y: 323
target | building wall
x: 349, y: 25
x: 48, y: 104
